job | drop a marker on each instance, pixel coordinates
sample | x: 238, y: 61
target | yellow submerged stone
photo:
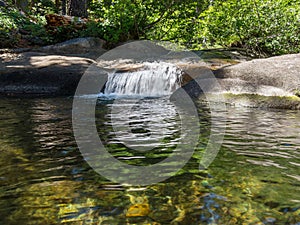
x: 138, y: 210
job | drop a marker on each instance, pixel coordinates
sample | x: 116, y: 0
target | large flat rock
x: 41, y: 74
x: 272, y: 83
x: 281, y: 72
x: 50, y: 70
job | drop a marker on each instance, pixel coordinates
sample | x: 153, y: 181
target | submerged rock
x: 138, y: 210
x: 258, y: 101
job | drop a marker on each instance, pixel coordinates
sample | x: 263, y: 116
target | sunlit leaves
x: 163, y: 20
x: 266, y: 27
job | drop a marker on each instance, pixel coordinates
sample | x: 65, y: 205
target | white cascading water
x: 153, y: 80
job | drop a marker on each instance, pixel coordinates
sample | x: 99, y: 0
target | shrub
x: 266, y: 27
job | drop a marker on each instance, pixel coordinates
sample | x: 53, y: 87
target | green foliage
x: 10, y: 20
x: 264, y: 27
x: 269, y: 27
x: 93, y: 29
x: 152, y: 19
x: 118, y: 20
x: 16, y: 25
x: 43, y: 7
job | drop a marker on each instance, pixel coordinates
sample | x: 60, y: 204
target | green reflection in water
x: 44, y: 179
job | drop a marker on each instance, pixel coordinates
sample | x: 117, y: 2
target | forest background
x: 262, y: 27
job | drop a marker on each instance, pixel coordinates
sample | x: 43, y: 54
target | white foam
x: 155, y: 79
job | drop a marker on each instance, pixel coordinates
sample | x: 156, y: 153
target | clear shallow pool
x: 255, y: 178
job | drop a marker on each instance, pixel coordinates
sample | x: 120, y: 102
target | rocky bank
x: 56, y: 70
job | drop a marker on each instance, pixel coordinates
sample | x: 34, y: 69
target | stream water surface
x: 44, y: 179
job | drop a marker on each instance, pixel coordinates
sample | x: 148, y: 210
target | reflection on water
x: 139, y: 131
x: 143, y: 124
x: 44, y: 179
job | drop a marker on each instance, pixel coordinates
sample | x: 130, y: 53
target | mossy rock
x: 258, y: 101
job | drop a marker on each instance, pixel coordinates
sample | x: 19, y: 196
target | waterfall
x: 153, y: 80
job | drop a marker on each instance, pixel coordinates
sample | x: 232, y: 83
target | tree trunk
x: 77, y: 8
x: 63, y: 7
x: 57, y: 6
